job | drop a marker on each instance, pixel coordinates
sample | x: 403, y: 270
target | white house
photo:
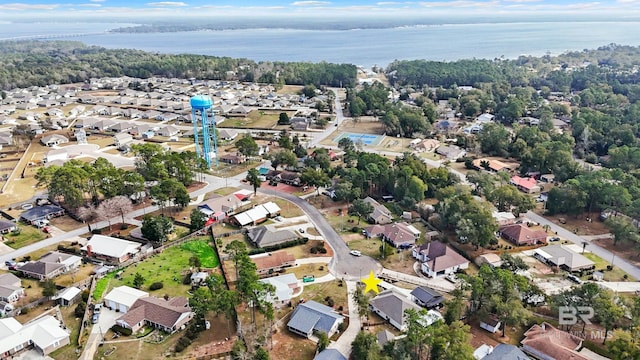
x: 122, y: 139
x: 122, y: 298
x: 438, y: 259
x: 285, y: 286
x: 56, y: 155
x: 54, y: 140
x: 111, y: 249
x: 43, y: 333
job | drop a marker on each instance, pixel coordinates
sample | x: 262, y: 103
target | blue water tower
x: 202, y: 118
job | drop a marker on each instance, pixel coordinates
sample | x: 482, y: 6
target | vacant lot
x: 168, y: 268
x: 256, y: 119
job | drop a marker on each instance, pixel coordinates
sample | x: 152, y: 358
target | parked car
x: 11, y: 265
x: 41, y: 223
x: 554, y: 238
x: 301, y: 230
x: 452, y: 278
x: 575, y: 279
x: 94, y: 318
x: 96, y: 308
x: 355, y: 253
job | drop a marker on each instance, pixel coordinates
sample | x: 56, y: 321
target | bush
x: 121, y: 330
x: 79, y: 310
x: 314, y: 250
x: 355, y: 229
x: 24, y: 310
x: 124, y: 227
x: 156, y: 286
x: 186, y: 280
x: 183, y: 342
x: 609, y: 267
x: 96, y: 231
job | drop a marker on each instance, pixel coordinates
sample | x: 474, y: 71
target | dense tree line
x: 40, y: 63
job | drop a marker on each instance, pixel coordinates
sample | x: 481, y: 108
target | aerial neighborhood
x: 467, y: 216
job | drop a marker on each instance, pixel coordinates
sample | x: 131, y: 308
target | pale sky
x: 338, y: 8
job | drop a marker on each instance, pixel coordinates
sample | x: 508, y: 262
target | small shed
x: 491, y: 324
x: 68, y: 296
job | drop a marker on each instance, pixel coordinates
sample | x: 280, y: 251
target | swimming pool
x: 367, y: 139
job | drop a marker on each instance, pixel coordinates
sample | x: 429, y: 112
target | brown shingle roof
x: 441, y: 256
x: 156, y: 310
x: 555, y: 343
x: 273, y: 260
x: 522, y: 234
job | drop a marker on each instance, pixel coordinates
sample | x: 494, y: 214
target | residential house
x: 329, y: 354
x: 166, y: 315
x: 122, y: 298
x: 564, y: 258
x: 41, y: 212
x: 121, y: 127
x: 285, y: 287
x: 312, y: 317
x: 520, y: 234
x: 10, y: 288
x: 426, y: 297
x: 233, y: 159
x: 289, y: 178
x: 491, y: 165
x: 121, y: 140
x: 391, y: 306
x: 485, y: 118
x: 546, y: 342
x: 68, y: 296
x: 7, y: 226
x: 380, y: 214
x: 256, y: 215
x: 491, y: 259
x: 169, y: 131
x: 504, y: 217
x: 263, y: 149
x: 111, y: 249
x: 54, y: 140
x: 439, y: 259
x: 227, y: 134
x: 41, y: 270
x: 70, y: 262
x: 263, y: 236
x: 56, y: 155
x: 218, y: 208
x: 427, y: 145
x: 273, y: 262
x: 506, y: 352
x: 490, y: 323
x: 103, y: 125
x: 400, y: 235
x: 528, y: 185
x: 450, y: 152
x: 6, y: 138
x: 44, y: 334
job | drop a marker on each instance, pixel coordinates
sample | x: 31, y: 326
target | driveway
x: 106, y: 321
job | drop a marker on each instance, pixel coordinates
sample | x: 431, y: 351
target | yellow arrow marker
x: 371, y: 283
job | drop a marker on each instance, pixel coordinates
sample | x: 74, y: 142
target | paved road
x: 342, y: 264
x: 576, y: 239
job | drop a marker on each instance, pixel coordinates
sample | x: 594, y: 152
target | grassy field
x: 616, y: 274
x: 256, y: 119
x: 319, y: 292
x: 28, y: 235
x: 287, y: 208
x: 208, y: 258
x: 223, y: 191
x: 308, y: 269
x: 168, y: 267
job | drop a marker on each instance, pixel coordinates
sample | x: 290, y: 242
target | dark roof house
x: 41, y: 212
x: 312, y: 317
x: 166, y: 315
x: 427, y: 297
x: 262, y: 236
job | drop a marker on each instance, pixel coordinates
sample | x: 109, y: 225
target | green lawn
x: 616, y: 274
x: 101, y: 285
x: 168, y: 267
x: 208, y: 258
x: 28, y: 235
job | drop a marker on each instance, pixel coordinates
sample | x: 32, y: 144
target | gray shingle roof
x: 330, y: 354
x: 263, y: 236
x: 313, y: 316
x: 428, y: 296
x: 506, y: 352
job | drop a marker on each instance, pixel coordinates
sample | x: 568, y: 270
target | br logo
x: 569, y: 315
